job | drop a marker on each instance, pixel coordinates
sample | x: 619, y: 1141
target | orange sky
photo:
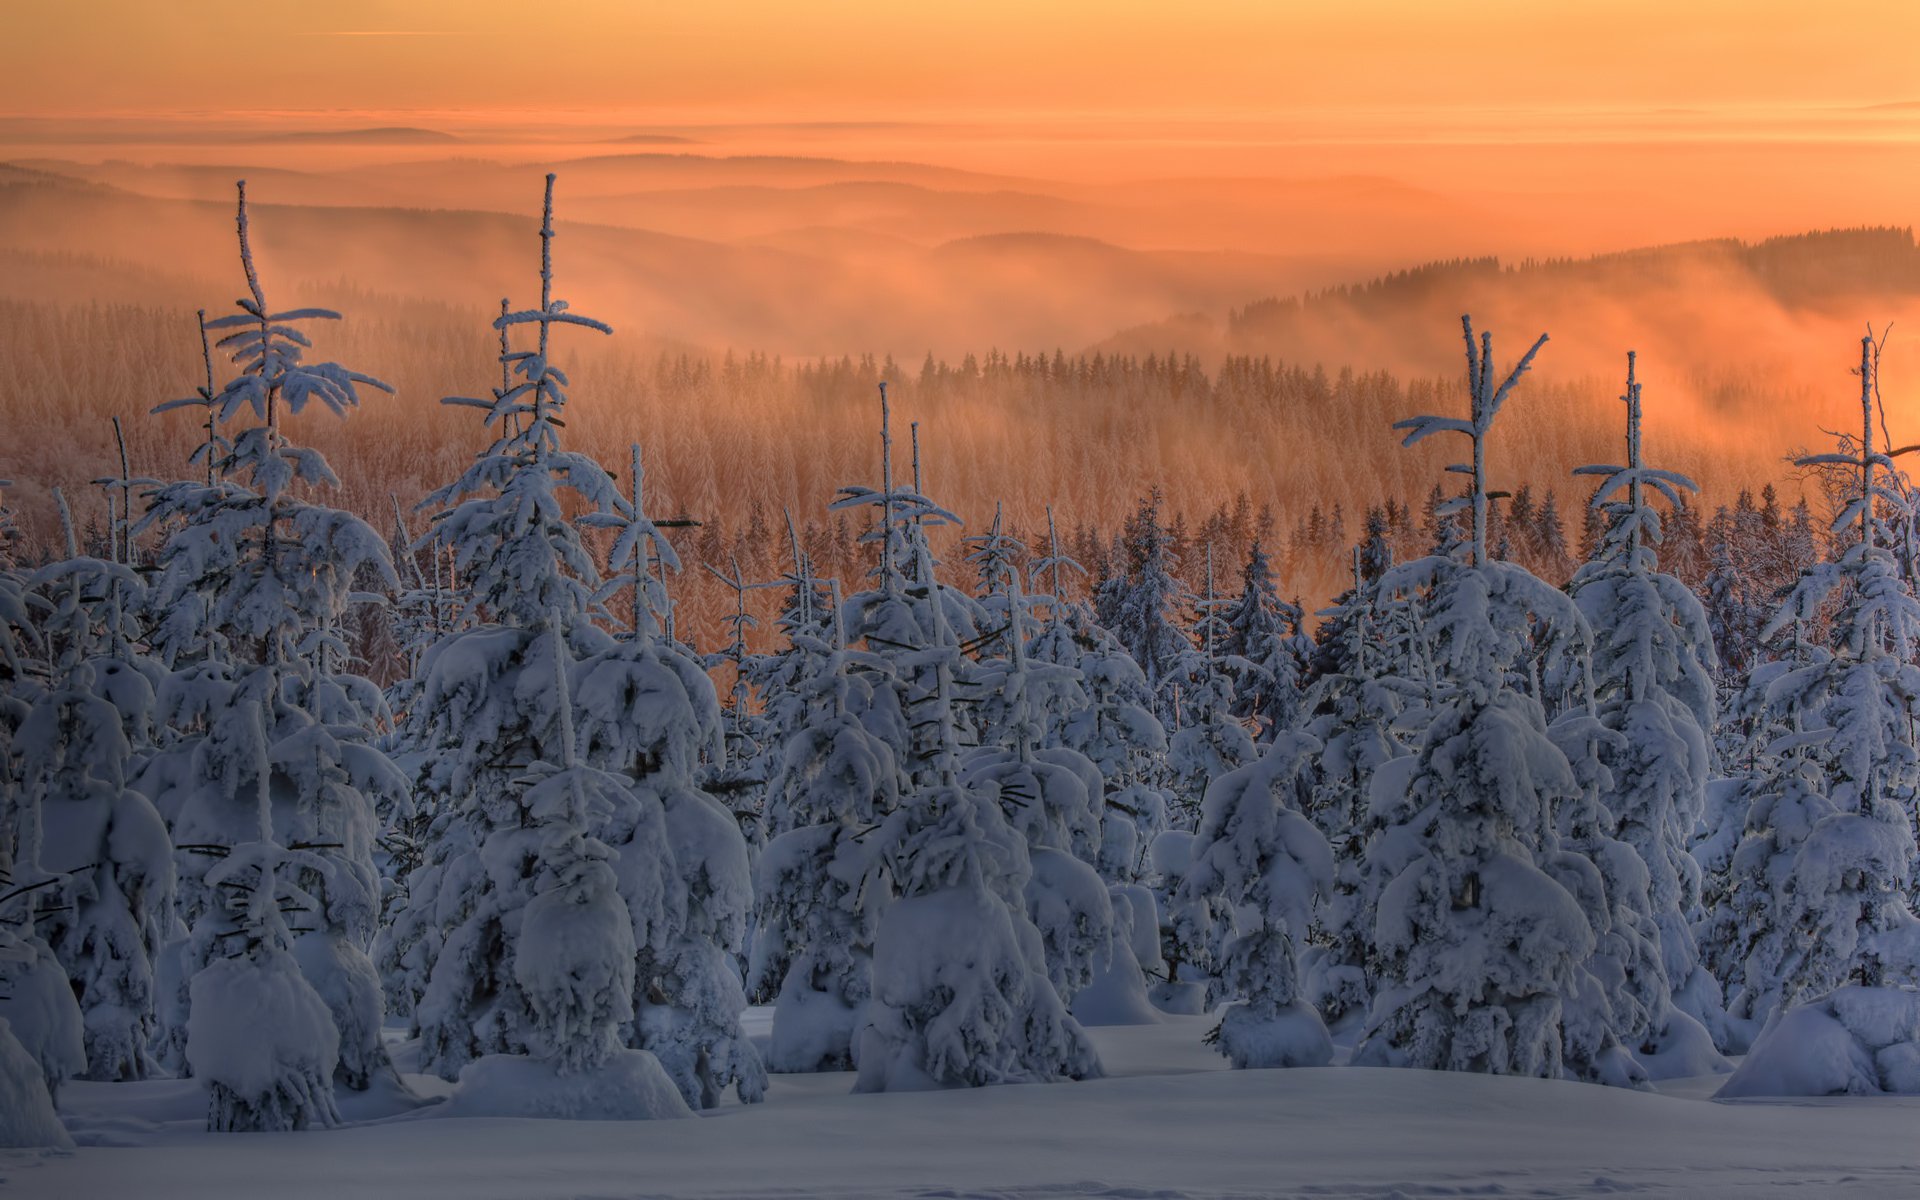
x: 860, y: 59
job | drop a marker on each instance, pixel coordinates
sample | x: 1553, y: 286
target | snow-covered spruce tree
x: 1210, y: 740
x: 739, y: 773
x: 961, y: 994
x: 785, y: 681
x: 1264, y: 650
x: 487, y: 708
x: 898, y: 617
x: 1622, y: 986
x: 1652, y: 673
x: 41, y: 1039
x: 256, y: 719
x: 1477, y: 944
x: 1353, y: 707
x: 995, y: 556
x: 643, y: 708
x: 27, y: 1117
x: 1052, y: 796
x: 648, y: 709
x: 1255, y: 850
x: 1115, y: 730
x: 960, y: 990
x: 424, y: 611
x: 1195, y: 928
x: 1148, y: 596
x: 36, y: 1000
x: 99, y: 848
x: 42, y: 1043
x: 1103, y: 721
x: 1825, y: 865
x: 574, y: 951
x: 89, y: 857
x: 1762, y: 813
x: 821, y: 887
x: 259, y: 1036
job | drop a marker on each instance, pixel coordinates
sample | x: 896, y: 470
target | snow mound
x: 810, y: 1028
x: 630, y: 1086
x: 1854, y: 1041
x: 1682, y: 1049
x: 1294, y: 1036
x: 26, y: 1111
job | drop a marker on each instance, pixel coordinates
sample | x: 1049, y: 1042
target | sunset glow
x: 841, y: 60
x: 1029, y: 598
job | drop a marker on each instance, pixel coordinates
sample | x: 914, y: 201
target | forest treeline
x: 1802, y: 269
x: 1290, y: 453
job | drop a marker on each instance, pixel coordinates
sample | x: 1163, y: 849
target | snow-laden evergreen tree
x: 821, y: 888
x: 259, y: 1036
x: 899, y: 615
x: 42, y: 1040
x: 575, y: 952
x: 644, y: 710
x: 36, y: 1000
x: 785, y: 681
x: 961, y: 996
x: 1210, y: 740
x: 41, y: 1028
x: 739, y: 773
x: 1822, y: 874
x: 1621, y: 990
x: 1354, y: 705
x: 488, y: 708
x: 1051, y: 795
x: 1263, y: 647
x: 110, y: 851
x: 648, y: 708
x: 1149, y: 594
x: 961, y: 993
x: 98, y: 847
x: 1114, y: 729
x: 423, y: 611
x: 259, y: 714
x: 27, y: 1117
x: 1256, y: 850
x: 1652, y: 673
x: 1477, y: 944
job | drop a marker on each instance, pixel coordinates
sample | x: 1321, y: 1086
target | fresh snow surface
x: 1169, y: 1122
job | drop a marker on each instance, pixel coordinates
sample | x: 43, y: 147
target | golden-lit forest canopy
x: 1240, y: 442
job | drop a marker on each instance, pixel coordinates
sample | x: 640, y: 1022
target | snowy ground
x: 1169, y: 1122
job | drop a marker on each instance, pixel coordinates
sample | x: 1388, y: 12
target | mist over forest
x: 1059, y: 342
